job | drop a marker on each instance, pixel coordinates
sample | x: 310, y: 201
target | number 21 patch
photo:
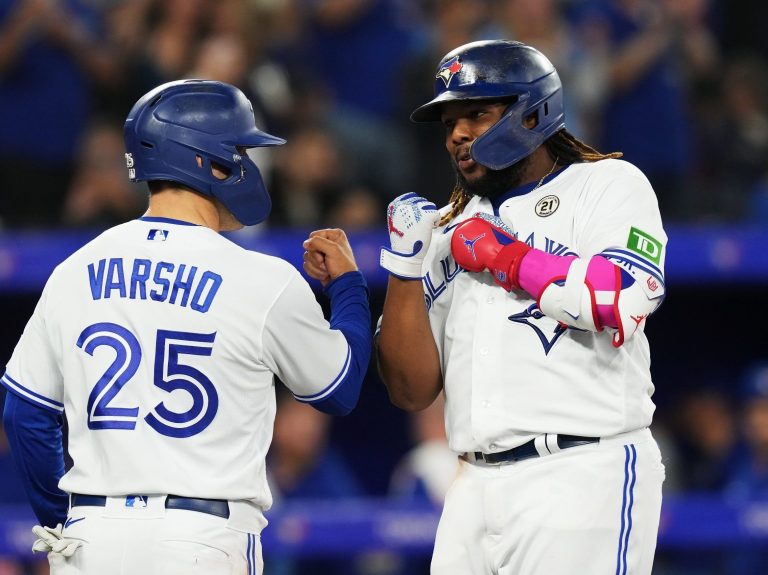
x: 644, y: 244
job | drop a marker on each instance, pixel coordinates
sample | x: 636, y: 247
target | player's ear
x: 220, y: 172
x: 217, y: 170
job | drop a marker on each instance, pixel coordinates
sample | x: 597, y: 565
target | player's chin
x: 472, y: 178
x: 469, y: 170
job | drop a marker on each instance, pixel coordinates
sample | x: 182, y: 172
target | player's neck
x: 184, y: 205
x: 542, y: 164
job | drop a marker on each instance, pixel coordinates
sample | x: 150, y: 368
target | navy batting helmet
x: 498, y: 70
x: 174, y: 124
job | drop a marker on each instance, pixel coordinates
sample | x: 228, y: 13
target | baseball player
x: 160, y: 342
x: 538, y: 279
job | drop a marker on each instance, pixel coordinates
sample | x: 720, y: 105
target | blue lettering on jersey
x: 115, y: 278
x: 530, y: 241
x: 210, y: 282
x: 162, y: 294
x: 96, y: 279
x: 449, y: 269
x: 556, y: 248
x: 181, y: 285
x: 139, y: 278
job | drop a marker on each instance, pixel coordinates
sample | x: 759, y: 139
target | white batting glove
x: 410, y: 221
x: 51, y: 540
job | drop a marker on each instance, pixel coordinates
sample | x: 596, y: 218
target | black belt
x: 217, y: 507
x: 529, y: 449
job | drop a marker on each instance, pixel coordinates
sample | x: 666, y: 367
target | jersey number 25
x: 170, y: 374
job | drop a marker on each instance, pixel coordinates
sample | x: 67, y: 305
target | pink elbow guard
x: 539, y: 270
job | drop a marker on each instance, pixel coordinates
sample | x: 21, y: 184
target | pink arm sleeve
x: 539, y: 269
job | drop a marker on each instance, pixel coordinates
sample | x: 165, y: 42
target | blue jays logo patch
x: 548, y: 334
x: 448, y: 70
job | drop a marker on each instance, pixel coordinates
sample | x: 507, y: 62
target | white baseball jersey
x: 160, y: 341
x: 511, y: 373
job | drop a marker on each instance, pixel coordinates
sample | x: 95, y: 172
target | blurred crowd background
x: 679, y: 86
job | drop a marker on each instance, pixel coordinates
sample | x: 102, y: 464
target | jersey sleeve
x: 300, y: 347
x: 621, y: 222
x: 32, y: 372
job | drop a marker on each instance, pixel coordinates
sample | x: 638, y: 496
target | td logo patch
x: 644, y: 244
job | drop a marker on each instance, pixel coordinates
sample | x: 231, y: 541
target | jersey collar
x: 166, y: 221
x: 522, y: 190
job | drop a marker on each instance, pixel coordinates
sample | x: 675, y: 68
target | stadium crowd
x: 679, y: 86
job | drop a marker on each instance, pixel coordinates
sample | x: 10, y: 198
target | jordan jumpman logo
x: 471, y: 244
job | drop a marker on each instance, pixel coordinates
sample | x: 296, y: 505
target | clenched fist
x: 486, y: 242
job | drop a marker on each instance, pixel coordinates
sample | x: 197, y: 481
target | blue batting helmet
x: 500, y: 70
x: 174, y: 124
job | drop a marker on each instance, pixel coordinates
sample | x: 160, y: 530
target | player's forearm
x: 350, y: 314
x: 408, y: 359
x: 35, y: 438
x: 584, y: 293
x: 538, y: 270
x: 589, y: 293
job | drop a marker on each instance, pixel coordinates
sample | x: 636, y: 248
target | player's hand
x: 52, y: 540
x: 328, y: 255
x: 486, y: 242
x: 314, y: 265
x: 410, y: 221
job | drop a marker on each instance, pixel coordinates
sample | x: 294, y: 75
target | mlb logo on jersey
x: 157, y: 235
x: 136, y: 501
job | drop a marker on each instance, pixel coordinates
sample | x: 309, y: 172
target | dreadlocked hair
x: 570, y: 150
x: 563, y: 145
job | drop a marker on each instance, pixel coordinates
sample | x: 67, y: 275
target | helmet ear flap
x: 248, y: 198
x: 508, y: 140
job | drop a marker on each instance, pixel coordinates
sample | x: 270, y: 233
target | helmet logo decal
x: 449, y: 70
x: 129, y: 164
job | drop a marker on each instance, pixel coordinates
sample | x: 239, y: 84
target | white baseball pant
x: 587, y: 509
x: 148, y: 539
